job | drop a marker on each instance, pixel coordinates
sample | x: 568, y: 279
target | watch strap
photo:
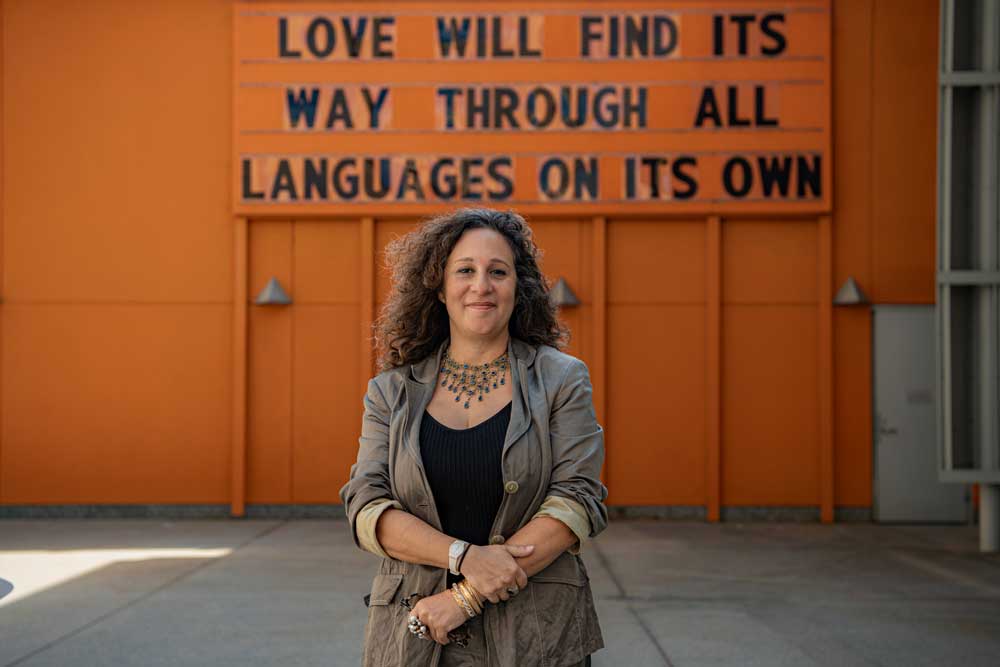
x: 458, y: 561
x: 455, y: 554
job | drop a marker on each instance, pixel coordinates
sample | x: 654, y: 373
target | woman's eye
x: 469, y: 269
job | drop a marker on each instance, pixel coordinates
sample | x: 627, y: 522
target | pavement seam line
x: 145, y: 596
x: 603, y: 560
x: 649, y: 634
x: 943, y: 572
x: 810, y: 648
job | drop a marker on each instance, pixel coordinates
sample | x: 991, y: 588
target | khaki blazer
x: 554, y: 446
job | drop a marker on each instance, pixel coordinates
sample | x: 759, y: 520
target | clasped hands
x: 491, y: 570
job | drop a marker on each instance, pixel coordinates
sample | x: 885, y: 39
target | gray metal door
x: 905, y: 418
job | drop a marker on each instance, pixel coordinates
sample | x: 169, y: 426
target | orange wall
x: 885, y: 116
x: 116, y: 327
x: 117, y: 252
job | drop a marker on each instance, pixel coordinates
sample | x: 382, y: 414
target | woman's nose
x: 483, y: 282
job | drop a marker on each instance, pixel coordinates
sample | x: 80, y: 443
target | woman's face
x: 479, y: 284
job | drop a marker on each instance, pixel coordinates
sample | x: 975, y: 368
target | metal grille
x: 968, y: 241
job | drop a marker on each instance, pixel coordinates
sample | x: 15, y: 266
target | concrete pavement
x: 288, y: 592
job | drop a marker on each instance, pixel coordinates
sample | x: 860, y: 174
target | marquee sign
x: 667, y: 106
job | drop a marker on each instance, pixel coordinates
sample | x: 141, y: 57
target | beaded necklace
x: 470, y: 379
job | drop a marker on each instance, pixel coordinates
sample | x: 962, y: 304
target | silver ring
x: 416, y: 626
x: 514, y: 590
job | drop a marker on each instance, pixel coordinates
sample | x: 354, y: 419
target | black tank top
x: 463, y: 469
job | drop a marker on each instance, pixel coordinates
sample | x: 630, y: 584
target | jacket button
x: 497, y: 539
x: 511, y: 487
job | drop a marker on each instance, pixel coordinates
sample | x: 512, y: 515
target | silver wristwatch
x: 455, y: 552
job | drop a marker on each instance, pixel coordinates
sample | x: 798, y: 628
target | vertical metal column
x: 942, y: 318
x: 989, y: 494
x: 989, y: 518
x: 968, y: 289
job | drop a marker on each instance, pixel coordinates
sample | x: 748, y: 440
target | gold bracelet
x: 476, y: 607
x: 456, y: 593
x: 480, y: 598
x: 472, y: 595
x: 470, y: 592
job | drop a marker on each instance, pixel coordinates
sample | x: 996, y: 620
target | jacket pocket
x: 566, y: 569
x: 384, y: 588
x: 384, y: 617
x: 562, y: 610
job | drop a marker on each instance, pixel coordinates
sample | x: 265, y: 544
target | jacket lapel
x: 418, y: 390
x: 521, y: 355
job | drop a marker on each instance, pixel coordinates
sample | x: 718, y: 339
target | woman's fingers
x: 423, y: 616
x: 494, y: 559
x: 493, y: 569
x: 435, y: 632
x: 497, y: 590
x: 440, y: 614
x: 519, y: 550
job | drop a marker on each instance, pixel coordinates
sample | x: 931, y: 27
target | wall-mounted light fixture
x: 850, y: 294
x: 562, y: 295
x: 273, y: 294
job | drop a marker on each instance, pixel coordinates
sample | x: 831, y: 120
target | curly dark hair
x: 413, y: 321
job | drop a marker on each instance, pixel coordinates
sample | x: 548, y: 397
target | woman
x: 478, y: 472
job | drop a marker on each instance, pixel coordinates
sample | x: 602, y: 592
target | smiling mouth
x: 482, y: 306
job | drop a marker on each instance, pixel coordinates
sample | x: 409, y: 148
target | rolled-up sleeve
x: 570, y: 513
x: 578, y: 447
x: 369, y: 478
x: 368, y: 520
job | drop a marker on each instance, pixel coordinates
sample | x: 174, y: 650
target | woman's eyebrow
x: 470, y: 259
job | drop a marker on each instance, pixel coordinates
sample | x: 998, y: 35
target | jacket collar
x: 425, y: 371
